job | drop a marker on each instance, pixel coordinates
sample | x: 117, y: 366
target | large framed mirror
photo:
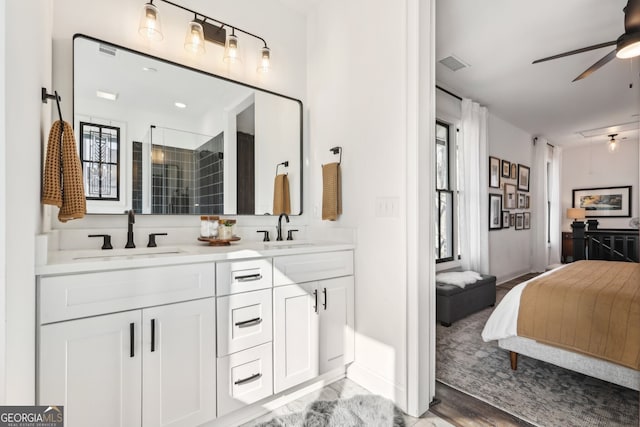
x: 163, y: 138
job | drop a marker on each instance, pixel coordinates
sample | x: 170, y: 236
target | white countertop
x: 85, y: 261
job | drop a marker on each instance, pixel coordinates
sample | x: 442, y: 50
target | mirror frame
x: 188, y: 68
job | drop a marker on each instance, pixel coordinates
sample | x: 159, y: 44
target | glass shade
x: 150, y: 26
x: 231, y: 54
x: 194, y: 39
x: 613, y: 146
x: 264, y: 63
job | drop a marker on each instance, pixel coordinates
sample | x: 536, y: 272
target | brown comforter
x: 590, y: 307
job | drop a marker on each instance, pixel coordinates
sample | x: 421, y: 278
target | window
x: 444, y: 196
x: 100, y: 157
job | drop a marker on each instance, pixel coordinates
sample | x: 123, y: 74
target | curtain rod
x: 448, y: 92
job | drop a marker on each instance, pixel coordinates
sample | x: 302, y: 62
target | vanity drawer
x: 309, y: 267
x: 244, y: 378
x: 244, y: 321
x: 90, y: 294
x: 242, y: 276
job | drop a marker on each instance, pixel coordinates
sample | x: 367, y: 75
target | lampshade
x: 264, y: 63
x: 628, y: 45
x: 194, y: 39
x: 576, y: 213
x: 150, y: 26
x: 231, y: 54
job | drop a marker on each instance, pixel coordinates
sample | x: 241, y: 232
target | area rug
x: 538, y: 392
x: 357, y: 411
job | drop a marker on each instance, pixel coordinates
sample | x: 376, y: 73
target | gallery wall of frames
x: 509, y: 199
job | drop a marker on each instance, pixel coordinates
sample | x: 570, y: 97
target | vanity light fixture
x: 203, y: 28
x: 150, y: 26
x: 613, y: 144
x: 106, y: 95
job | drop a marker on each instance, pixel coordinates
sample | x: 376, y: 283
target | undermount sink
x: 116, y: 254
x: 287, y: 244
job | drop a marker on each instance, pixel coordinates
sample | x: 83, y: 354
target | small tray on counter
x: 214, y: 241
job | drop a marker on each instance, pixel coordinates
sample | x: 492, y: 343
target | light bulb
x: 265, y: 60
x: 150, y: 26
x: 194, y: 39
x: 613, y: 145
x: 231, y: 49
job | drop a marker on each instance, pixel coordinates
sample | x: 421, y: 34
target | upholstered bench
x: 453, y: 302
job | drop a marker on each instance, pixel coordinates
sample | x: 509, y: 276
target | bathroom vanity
x: 191, y: 335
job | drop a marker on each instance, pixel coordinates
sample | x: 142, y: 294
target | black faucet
x: 279, y: 227
x: 132, y: 220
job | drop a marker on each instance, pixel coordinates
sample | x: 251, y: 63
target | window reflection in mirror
x: 189, y: 142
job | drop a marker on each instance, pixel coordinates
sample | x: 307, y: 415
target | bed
x: 607, y: 348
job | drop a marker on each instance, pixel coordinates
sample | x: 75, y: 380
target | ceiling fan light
x: 628, y: 46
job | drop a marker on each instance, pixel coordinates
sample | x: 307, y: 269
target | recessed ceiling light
x: 150, y: 69
x: 106, y: 95
x: 180, y: 104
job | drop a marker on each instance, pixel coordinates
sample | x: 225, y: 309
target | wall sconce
x: 613, y: 144
x: 201, y: 30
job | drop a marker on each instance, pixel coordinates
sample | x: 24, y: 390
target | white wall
x: 358, y: 100
x: 510, y: 249
x: 3, y: 207
x: 28, y: 68
x: 592, y: 166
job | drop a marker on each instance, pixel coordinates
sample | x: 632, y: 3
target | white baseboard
x: 510, y: 276
x: 376, y: 384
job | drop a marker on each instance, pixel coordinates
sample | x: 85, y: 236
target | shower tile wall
x: 136, y: 193
x: 172, y: 185
x: 210, y: 175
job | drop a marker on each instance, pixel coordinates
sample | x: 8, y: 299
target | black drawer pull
x: 153, y: 335
x: 315, y: 298
x: 249, y: 277
x: 131, y: 340
x: 250, y: 322
x: 248, y: 379
x: 324, y: 304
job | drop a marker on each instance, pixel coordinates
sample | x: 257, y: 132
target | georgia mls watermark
x: 31, y: 416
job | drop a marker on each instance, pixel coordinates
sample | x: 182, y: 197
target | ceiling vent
x: 453, y: 63
x: 108, y: 50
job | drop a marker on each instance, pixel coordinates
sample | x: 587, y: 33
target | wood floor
x: 462, y: 410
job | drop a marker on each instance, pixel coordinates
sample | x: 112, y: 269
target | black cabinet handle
x: 250, y: 322
x: 315, y: 296
x: 324, y: 292
x: 153, y: 335
x: 106, y: 242
x: 249, y: 277
x: 131, y: 339
x: 248, y: 379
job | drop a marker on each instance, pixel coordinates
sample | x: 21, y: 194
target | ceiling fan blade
x: 597, y: 65
x: 573, y: 52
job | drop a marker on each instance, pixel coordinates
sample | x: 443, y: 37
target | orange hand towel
x: 331, y: 191
x: 281, y: 197
x: 62, y: 185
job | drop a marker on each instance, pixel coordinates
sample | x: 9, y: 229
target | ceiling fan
x: 627, y: 45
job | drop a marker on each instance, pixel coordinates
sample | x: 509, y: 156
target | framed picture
x: 527, y: 201
x: 510, y: 196
x: 523, y: 178
x: 506, y: 169
x: 519, y: 221
x: 514, y: 171
x: 526, y: 220
x: 505, y: 219
x: 521, y: 200
x: 610, y: 202
x: 494, y: 172
x: 512, y: 220
x: 495, y: 211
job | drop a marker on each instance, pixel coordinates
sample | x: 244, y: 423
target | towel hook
x: 285, y: 164
x: 337, y: 150
x: 46, y: 96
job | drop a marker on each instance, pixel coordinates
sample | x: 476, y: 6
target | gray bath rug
x: 538, y: 392
x: 358, y: 411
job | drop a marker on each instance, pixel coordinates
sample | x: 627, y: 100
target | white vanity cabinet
x: 313, y: 316
x: 151, y: 366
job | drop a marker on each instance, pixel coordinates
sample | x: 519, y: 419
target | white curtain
x: 555, y: 158
x: 473, y: 182
x: 538, y: 186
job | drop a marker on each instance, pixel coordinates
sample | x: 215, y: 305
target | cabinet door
x: 93, y: 367
x: 295, y: 337
x: 179, y: 364
x: 336, y: 322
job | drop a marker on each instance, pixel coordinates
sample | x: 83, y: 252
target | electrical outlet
x: 387, y: 207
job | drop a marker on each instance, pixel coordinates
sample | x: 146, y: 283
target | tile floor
x: 343, y: 389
